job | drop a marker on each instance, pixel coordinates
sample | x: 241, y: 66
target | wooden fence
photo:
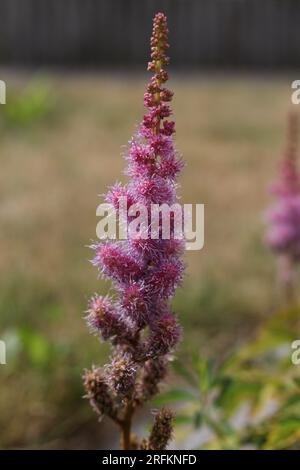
x: 216, y: 33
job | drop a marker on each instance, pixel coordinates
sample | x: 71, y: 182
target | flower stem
x: 126, y: 428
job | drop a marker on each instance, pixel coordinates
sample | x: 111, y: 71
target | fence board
x: 235, y: 33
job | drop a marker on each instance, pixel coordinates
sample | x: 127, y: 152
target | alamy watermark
x: 295, y: 97
x: 2, y: 352
x: 2, y: 92
x: 295, y: 357
x: 157, y: 221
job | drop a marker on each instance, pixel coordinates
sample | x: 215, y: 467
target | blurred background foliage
x: 61, y: 139
x: 28, y: 106
x: 249, y: 400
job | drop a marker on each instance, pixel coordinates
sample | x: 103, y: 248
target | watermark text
x: 2, y: 352
x: 2, y: 92
x: 159, y: 221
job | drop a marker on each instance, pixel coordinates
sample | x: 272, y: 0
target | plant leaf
x: 175, y: 395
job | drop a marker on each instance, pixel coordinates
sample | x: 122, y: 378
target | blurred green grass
x: 61, y: 139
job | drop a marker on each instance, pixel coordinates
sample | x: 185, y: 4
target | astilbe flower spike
x: 145, y: 272
x: 283, y: 234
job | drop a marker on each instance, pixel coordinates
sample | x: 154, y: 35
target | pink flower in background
x: 145, y: 273
x: 283, y: 218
